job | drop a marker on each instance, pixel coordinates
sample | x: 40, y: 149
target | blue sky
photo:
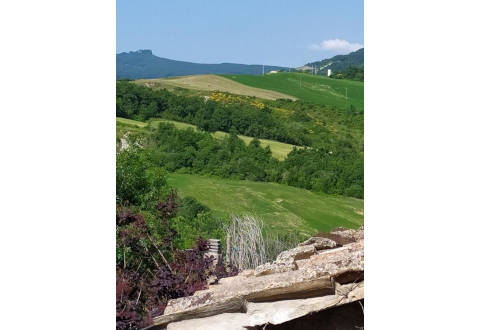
x: 286, y: 33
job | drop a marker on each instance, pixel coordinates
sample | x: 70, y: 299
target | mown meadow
x: 281, y: 207
x: 341, y: 93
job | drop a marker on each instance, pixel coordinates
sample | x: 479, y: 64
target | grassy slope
x: 280, y: 206
x: 279, y: 150
x: 210, y: 83
x: 316, y: 89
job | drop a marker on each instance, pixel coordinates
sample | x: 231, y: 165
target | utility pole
x: 263, y: 70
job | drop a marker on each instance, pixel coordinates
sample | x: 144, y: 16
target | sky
x: 285, y: 33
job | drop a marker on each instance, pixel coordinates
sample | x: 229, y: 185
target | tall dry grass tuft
x: 245, y: 243
x: 248, y: 246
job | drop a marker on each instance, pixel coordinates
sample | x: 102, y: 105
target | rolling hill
x: 143, y: 64
x: 306, y: 87
x: 281, y: 207
x: 279, y: 150
x: 212, y: 83
x: 339, y: 63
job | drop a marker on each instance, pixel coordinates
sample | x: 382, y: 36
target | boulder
x: 320, y: 243
x: 298, y: 253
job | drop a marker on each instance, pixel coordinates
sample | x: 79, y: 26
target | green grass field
x: 130, y: 122
x: 281, y: 207
x: 279, y: 150
x: 316, y: 89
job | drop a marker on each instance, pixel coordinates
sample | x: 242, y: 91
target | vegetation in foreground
x: 312, y: 88
x: 160, y: 246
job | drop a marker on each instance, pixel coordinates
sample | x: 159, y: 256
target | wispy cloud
x: 337, y: 45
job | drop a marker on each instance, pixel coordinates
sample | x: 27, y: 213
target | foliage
x: 150, y: 270
x: 136, y: 181
x: 352, y: 73
x: 141, y: 103
x: 332, y: 169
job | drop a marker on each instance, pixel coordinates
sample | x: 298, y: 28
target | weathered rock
x: 298, y: 253
x: 231, y: 321
x: 285, y: 261
x: 320, y: 243
x: 282, y: 311
x: 316, y: 274
x: 278, y: 266
x: 278, y: 312
x: 247, y: 273
x: 355, y: 235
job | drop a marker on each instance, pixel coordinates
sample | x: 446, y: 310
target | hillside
x: 143, y: 64
x: 279, y: 150
x: 280, y: 206
x: 332, y: 161
x: 339, y: 63
x: 211, y: 83
x: 306, y: 87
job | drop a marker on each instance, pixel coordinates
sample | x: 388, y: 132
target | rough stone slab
x: 226, y: 305
x: 320, y: 243
x: 353, y: 234
x: 278, y: 312
x: 298, y: 253
x: 230, y: 321
x: 314, y: 277
x: 278, y: 266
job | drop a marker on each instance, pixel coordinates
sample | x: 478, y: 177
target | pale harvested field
x: 210, y: 82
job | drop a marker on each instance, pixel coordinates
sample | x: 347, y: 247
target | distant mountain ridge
x: 143, y: 64
x: 338, y: 63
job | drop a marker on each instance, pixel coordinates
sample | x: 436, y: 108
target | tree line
x: 141, y: 103
x: 330, y: 170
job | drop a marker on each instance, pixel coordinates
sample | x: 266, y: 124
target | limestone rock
x: 278, y: 266
x: 277, y: 312
x: 328, y: 276
x: 247, y: 273
x: 320, y: 243
x: 231, y: 321
x: 352, y: 234
x: 300, y: 252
